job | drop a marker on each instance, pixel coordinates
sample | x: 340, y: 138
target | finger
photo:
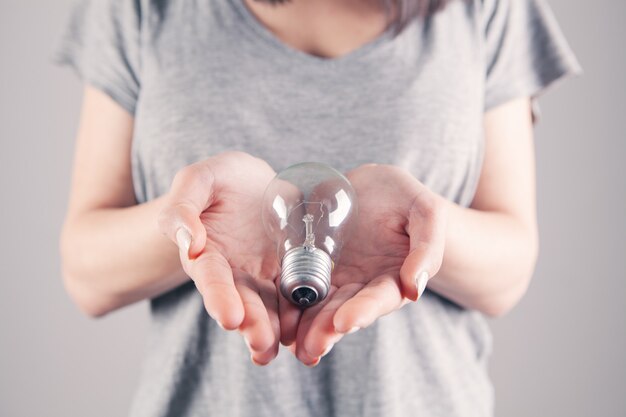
x: 267, y: 291
x: 213, y: 277
x: 379, y: 297
x: 256, y: 326
x: 292, y: 348
x: 191, y: 193
x: 289, y: 315
x: 426, y: 229
x: 321, y: 334
x: 308, y: 315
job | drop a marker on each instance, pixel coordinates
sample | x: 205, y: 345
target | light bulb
x: 308, y: 211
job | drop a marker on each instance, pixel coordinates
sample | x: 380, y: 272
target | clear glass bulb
x: 308, y: 210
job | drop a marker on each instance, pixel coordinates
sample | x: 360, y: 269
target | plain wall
x: 561, y: 352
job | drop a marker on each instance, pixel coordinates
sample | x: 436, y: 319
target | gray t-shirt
x: 206, y: 76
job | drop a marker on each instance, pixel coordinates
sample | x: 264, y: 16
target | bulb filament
x: 309, y: 240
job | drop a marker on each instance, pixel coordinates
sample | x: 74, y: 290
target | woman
x: 427, y: 106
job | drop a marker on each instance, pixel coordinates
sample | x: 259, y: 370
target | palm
x: 379, y: 243
x: 374, y: 272
x: 232, y: 221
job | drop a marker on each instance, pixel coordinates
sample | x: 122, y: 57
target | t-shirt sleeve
x: 525, y: 51
x: 102, y: 44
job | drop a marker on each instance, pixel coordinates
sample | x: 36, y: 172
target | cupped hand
x: 213, y: 213
x: 396, y: 246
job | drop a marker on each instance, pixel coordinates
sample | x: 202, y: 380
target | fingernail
x: 220, y: 324
x: 327, y: 350
x: 255, y: 362
x: 353, y: 330
x: 183, y: 239
x: 312, y: 364
x: 420, y: 282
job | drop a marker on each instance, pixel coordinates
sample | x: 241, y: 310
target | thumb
x: 192, y: 192
x: 426, y: 230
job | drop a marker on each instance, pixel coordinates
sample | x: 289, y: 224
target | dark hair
x: 407, y: 10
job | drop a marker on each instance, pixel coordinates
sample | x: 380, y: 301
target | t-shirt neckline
x: 269, y: 38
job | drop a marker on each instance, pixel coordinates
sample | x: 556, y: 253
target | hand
x: 396, y: 246
x: 213, y: 213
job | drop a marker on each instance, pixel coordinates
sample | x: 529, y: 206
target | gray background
x: 561, y: 352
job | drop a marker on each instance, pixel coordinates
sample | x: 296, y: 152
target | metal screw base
x: 305, y: 276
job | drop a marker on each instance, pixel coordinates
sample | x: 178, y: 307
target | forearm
x: 488, y: 261
x: 117, y: 256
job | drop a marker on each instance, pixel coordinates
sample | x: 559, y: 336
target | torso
x: 215, y: 78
